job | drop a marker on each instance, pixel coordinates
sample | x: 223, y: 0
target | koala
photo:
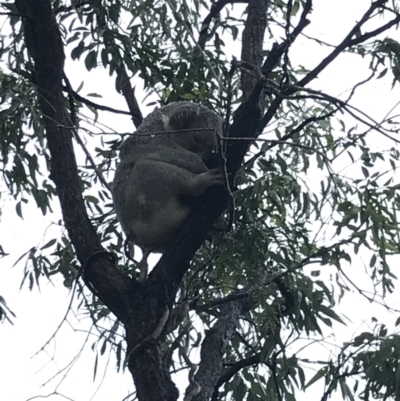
x: 159, y: 174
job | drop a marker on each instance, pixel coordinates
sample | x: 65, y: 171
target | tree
x: 238, y: 292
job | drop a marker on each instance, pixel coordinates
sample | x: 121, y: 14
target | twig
x: 279, y: 142
x: 194, y: 388
x: 277, y: 51
x: 368, y: 35
x: 77, y: 136
x: 189, y: 32
x: 216, y: 8
x: 98, y: 106
x: 233, y: 369
x: 91, y: 160
x: 124, y: 85
x: 63, y: 319
x: 323, y: 96
x: 289, y: 135
x: 14, y: 15
x: 346, y: 42
x: 221, y: 301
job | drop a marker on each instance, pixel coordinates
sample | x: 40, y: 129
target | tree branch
x: 97, y: 106
x: 289, y: 135
x: 376, y: 32
x: 346, y: 42
x: 278, y: 51
x: 43, y: 40
x: 124, y: 86
x: 220, y: 301
x: 274, y: 58
x: 213, y: 348
x: 216, y: 8
x: 233, y: 369
x: 252, y: 41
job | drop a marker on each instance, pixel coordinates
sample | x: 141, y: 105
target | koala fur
x: 157, y: 175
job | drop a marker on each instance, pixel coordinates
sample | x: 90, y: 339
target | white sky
x: 39, y: 314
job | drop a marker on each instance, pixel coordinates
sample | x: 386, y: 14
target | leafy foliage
x: 294, y: 203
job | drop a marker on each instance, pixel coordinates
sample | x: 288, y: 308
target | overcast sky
x: 40, y: 313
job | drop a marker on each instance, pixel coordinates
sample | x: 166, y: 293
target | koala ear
x: 166, y: 122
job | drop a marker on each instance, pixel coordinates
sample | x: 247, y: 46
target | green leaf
x: 103, y: 347
x: 346, y: 392
x: 18, y: 208
x: 95, y: 367
x: 188, y: 96
x: 91, y: 60
x: 91, y: 199
x: 365, y: 172
x: 269, y: 346
x: 362, y: 338
x: 329, y: 312
x: 77, y: 51
x: 321, y: 373
x: 49, y: 244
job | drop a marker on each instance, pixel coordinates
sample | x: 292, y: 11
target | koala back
x: 182, y: 124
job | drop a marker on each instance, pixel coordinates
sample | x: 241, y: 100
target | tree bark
x: 140, y: 306
x: 253, y: 39
x: 44, y: 43
x: 213, y: 348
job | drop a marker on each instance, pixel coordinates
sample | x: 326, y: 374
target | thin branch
x: 218, y: 302
x: 50, y: 396
x: 233, y: 369
x: 216, y: 8
x: 292, y: 133
x: 189, y: 32
x: 358, y: 84
x: 13, y: 15
x: 98, y: 106
x: 276, y: 142
x: 278, y: 51
x: 275, y: 56
x: 376, y: 32
x: 346, y: 42
x: 319, y: 41
x: 63, y: 319
x: 91, y: 161
x: 79, y: 139
x: 275, y: 378
x: 322, y: 96
x: 346, y: 107
x: 124, y: 85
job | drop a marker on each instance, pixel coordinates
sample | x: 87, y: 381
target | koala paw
x: 208, y: 179
x: 216, y: 176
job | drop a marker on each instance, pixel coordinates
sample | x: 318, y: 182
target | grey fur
x: 157, y: 174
